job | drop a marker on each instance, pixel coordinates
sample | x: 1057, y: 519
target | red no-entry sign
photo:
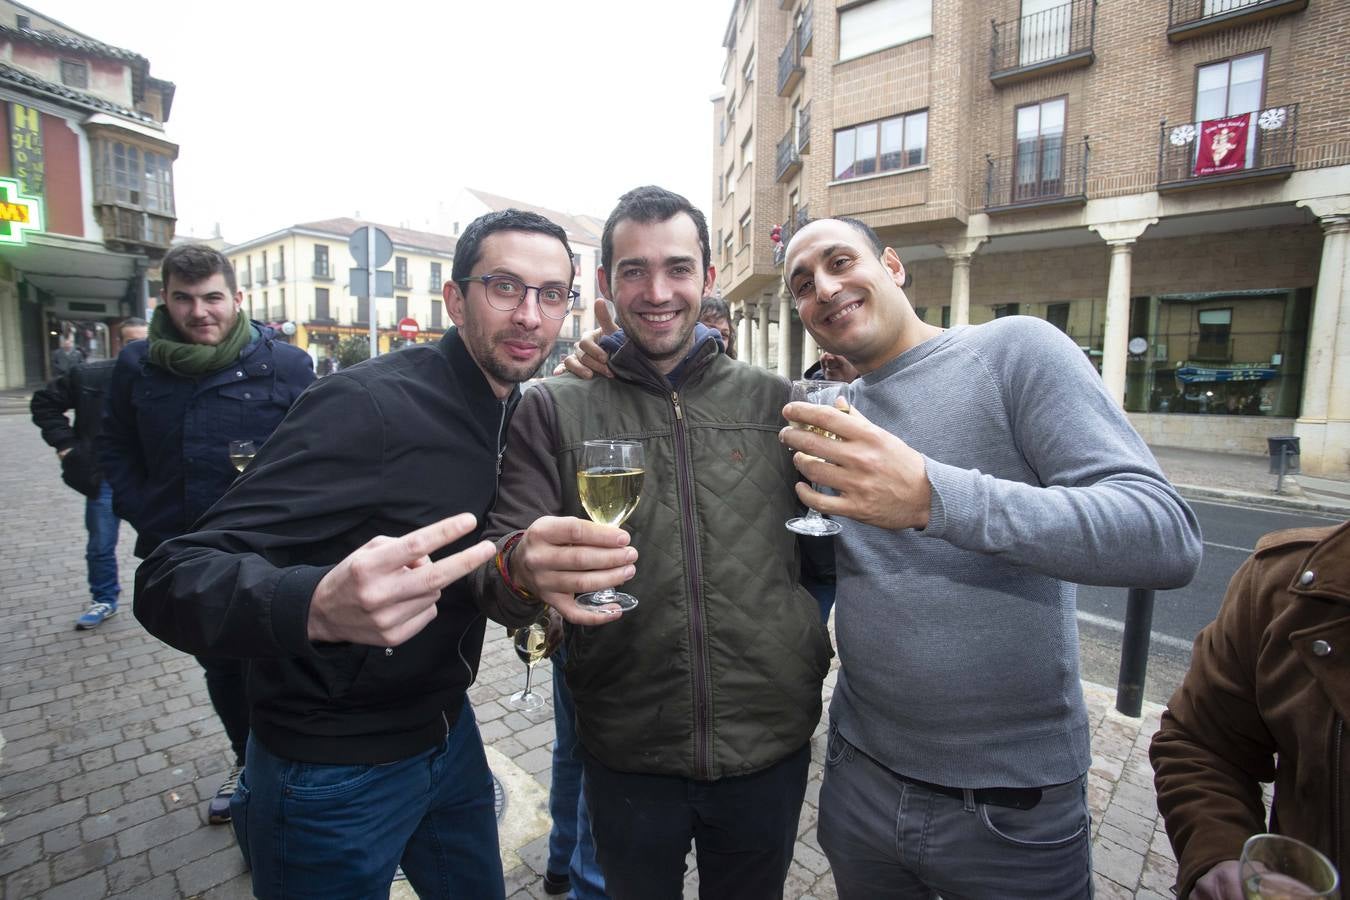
x: 408, y: 328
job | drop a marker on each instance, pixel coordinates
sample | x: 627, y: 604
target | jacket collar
x: 467, y: 374
x: 1329, y: 566
x: 630, y: 364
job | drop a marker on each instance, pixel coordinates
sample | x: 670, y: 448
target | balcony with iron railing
x: 322, y: 270
x: 804, y: 130
x: 260, y: 275
x: 1046, y: 174
x: 1051, y: 40
x: 1237, y: 149
x: 788, y: 159
x: 1188, y: 19
x: 245, y: 276
x: 279, y: 271
x: 798, y: 46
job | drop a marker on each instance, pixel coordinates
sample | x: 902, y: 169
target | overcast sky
x: 290, y: 110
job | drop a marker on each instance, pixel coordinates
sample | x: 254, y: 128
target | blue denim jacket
x: 165, y: 439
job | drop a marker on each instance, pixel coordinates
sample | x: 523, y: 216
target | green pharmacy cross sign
x: 19, y: 213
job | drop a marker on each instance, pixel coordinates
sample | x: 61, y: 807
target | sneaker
x: 95, y: 615
x: 218, y: 810
x: 556, y: 884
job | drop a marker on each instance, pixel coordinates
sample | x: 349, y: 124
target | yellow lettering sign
x: 13, y: 212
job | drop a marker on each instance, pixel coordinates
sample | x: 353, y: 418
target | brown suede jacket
x: 1266, y: 699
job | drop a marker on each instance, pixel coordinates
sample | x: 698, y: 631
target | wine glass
x: 1274, y: 867
x: 609, y: 480
x: 242, y: 453
x: 529, y: 643
x: 821, y: 393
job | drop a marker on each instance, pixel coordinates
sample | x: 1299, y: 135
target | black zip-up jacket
x: 383, y: 448
x: 82, y: 389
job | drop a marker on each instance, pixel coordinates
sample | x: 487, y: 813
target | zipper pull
x: 675, y: 398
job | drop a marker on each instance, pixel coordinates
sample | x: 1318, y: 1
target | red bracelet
x: 504, y: 571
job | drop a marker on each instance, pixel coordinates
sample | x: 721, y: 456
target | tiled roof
x: 405, y: 236
x: 78, y: 98
x: 71, y: 42
x: 582, y: 228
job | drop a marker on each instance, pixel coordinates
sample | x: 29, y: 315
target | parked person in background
x: 1266, y: 699
x: 66, y: 357
x: 206, y: 376
x: 716, y: 314
x: 82, y: 389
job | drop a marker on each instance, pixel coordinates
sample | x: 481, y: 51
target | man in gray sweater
x: 981, y: 473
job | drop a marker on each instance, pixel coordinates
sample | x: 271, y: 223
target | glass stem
x: 529, y: 671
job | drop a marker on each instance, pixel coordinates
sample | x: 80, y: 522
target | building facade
x: 298, y: 279
x: 1166, y: 181
x: 86, y: 191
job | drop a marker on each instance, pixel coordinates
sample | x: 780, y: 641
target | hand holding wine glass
x: 1274, y: 867
x: 821, y: 393
x: 609, y: 480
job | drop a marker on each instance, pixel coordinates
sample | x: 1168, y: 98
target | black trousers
x: 225, y: 686
x: 743, y: 829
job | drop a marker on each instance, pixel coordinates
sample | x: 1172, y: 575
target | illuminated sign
x: 25, y: 148
x: 19, y: 213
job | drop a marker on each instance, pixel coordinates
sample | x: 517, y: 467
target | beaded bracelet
x: 504, y: 571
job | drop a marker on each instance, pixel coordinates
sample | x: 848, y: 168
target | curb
x: 1196, y: 492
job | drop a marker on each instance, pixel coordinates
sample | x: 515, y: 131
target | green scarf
x: 169, y: 351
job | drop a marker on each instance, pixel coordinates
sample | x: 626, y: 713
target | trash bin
x: 1283, y: 447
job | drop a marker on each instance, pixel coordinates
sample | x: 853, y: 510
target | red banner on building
x: 1222, y: 146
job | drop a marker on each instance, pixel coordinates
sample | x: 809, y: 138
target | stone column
x: 762, y: 335
x: 1120, y: 237
x: 960, y: 253
x: 1323, y: 424
x: 785, y: 335
x: 743, y: 329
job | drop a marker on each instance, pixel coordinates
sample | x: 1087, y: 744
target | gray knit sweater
x: 959, y: 643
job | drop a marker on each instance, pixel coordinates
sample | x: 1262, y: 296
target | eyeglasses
x: 505, y: 293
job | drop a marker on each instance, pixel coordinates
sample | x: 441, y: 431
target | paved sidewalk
x: 109, y: 748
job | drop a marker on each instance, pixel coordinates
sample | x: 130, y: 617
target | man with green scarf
x: 206, y: 376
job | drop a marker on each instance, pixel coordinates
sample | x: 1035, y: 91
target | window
x: 729, y: 249
x: 748, y: 149
x: 400, y: 308
x: 321, y: 261
x: 435, y: 283
x: 1006, y: 309
x: 748, y: 72
x: 1057, y: 314
x: 321, y: 304
x: 75, y: 73
x: 868, y: 27
x: 1230, y: 88
x: 1214, y: 328
x: 745, y: 229
x: 437, y: 310
x: 886, y: 146
x: 281, y: 263
x: 401, y: 271
x: 128, y: 175
x: 363, y: 310
x: 281, y: 310
x: 1040, y: 150
x: 946, y: 317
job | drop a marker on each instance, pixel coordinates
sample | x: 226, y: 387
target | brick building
x: 86, y: 190
x: 1168, y: 181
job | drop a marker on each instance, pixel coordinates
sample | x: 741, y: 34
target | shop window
x: 1057, y: 314
x: 1213, y: 327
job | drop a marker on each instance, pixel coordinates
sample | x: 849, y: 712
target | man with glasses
x: 335, y: 565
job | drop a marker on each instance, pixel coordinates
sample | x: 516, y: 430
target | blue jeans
x: 100, y: 552
x: 571, y: 848
x: 889, y: 839
x: 336, y: 831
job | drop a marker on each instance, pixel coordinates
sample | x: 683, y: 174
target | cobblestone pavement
x: 109, y: 748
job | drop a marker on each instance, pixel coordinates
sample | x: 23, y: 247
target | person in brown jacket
x: 1266, y: 699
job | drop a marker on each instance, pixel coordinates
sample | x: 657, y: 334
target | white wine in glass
x: 529, y: 643
x: 1275, y: 867
x: 241, y: 454
x: 821, y: 393
x: 609, y: 480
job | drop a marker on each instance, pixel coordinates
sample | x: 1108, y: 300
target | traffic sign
x: 384, y: 248
x: 408, y: 328
x: 359, y: 284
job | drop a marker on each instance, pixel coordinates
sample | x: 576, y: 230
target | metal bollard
x: 1134, y: 652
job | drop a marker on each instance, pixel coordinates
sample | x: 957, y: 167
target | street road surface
x: 1230, y: 534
